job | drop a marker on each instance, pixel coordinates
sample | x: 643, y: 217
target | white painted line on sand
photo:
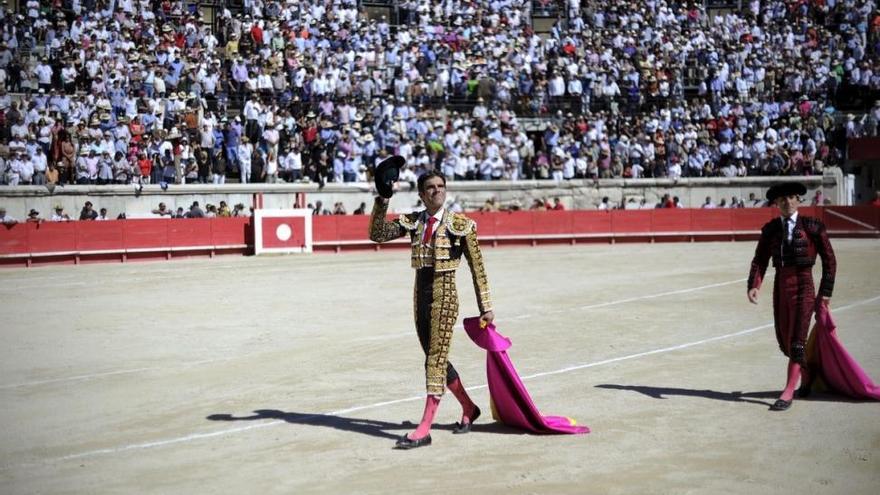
x: 578, y: 308
x: 74, y: 378
x: 109, y: 373
x: 228, y: 431
x: 371, y: 338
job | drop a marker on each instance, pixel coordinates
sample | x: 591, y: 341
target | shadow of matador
x: 660, y: 392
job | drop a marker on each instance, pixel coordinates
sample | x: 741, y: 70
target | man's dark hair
x: 424, y: 178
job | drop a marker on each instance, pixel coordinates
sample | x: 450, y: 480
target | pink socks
x: 432, y: 402
x: 467, y: 405
x: 794, y: 373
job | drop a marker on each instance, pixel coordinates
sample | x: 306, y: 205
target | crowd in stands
x: 143, y: 91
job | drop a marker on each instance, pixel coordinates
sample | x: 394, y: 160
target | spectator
x: 34, y: 217
x: 6, y: 219
x: 490, y: 205
x: 53, y: 176
x: 754, y: 202
x: 239, y: 211
x: 87, y: 212
x: 163, y: 211
x: 59, y: 215
x: 195, y: 211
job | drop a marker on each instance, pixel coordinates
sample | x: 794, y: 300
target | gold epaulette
x: 408, y: 221
x: 460, y: 225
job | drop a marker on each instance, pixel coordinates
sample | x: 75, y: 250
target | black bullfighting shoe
x: 406, y: 443
x: 780, y: 405
x: 465, y: 428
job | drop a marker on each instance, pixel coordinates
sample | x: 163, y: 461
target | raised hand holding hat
x: 387, y: 173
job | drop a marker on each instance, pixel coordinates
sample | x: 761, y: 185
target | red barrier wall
x: 27, y: 242
x: 145, y: 238
x: 145, y: 234
x: 337, y: 232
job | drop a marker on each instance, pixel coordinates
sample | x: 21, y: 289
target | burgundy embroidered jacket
x: 808, y: 239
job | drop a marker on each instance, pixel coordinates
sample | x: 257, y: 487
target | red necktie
x: 429, y: 229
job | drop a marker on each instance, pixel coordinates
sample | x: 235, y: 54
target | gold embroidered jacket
x: 455, y: 235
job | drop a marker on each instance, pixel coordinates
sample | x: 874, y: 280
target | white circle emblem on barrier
x: 283, y: 232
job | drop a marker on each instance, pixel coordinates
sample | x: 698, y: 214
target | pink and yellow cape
x: 511, y: 403
x: 833, y: 368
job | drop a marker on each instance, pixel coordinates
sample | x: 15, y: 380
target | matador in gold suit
x: 438, y: 240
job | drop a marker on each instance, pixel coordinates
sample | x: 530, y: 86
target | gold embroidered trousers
x: 436, y: 311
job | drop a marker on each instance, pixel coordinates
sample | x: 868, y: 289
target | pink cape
x: 511, y: 403
x: 832, y: 365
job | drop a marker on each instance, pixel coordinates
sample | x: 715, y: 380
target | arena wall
x: 28, y: 244
x: 574, y: 194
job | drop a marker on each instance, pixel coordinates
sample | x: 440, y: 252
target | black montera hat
x: 785, y: 189
x: 387, y: 173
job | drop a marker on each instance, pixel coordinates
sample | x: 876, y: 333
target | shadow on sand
x: 736, y: 396
x: 371, y: 427
x: 663, y: 392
